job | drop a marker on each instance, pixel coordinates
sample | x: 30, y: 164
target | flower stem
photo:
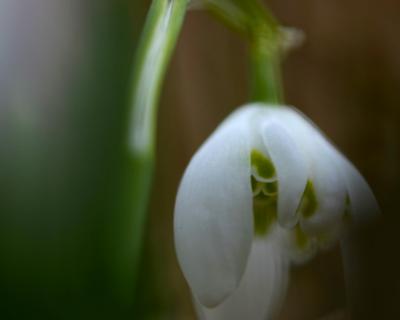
x: 265, y: 72
x: 265, y: 55
x: 251, y: 19
x: 158, y: 41
x: 154, y: 51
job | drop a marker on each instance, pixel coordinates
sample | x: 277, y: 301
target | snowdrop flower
x: 266, y: 189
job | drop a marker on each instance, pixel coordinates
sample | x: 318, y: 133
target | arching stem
x: 253, y: 20
x: 154, y: 51
x: 265, y: 71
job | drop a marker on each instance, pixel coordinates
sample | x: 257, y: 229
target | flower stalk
x: 254, y: 21
x: 265, y: 71
x: 161, y: 31
x: 158, y: 41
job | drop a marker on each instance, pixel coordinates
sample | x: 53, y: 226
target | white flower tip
x: 212, y: 270
x: 211, y: 252
x: 262, y: 288
x: 211, y: 299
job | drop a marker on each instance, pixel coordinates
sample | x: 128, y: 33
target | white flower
x: 266, y: 189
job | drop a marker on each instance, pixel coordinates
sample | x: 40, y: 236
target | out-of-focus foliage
x: 64, y: 79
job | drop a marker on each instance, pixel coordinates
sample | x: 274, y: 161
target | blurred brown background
x: 346, y: 78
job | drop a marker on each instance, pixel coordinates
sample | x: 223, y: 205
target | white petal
x: 261, y: 291
x: 213, y: 213
x: 363, y: 205
x: 330, y: 189
x: 323, y: 171
x: 291, y: 170
x: 337, y: 178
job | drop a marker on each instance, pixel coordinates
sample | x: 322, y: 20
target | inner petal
x: 264, y: 213
x: 264, y: 185
x: 291, y: 169
x: 262, y: 168
x: 308, y: 204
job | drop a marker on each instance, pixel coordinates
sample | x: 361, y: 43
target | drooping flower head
x: 266, y: 189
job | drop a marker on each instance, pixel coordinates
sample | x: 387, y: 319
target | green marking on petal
x: 262, y: 165
x: 270, y: 188
x: 256, y: 186
x: 264, y: 187
x: 308, y: 204
x: 302, y: 240
x: 264, y: 213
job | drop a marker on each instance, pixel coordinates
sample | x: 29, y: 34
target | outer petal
x: 262, y: 289
x: 348, y: 181
x: 363, y: 205
x: 323, y: 171
x: 330, y: 189
x: 213, y: 220
x: 291, y: 169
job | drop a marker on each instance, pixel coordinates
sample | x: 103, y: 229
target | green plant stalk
x: 159, y: 37
x: 154, y: 52
x: 265, y: 72
x: 252, y: 20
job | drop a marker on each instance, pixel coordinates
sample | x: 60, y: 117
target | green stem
x: 265, y: 72
x: 158, y: 41
x: 161, y: 30
x: 251, y: 19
